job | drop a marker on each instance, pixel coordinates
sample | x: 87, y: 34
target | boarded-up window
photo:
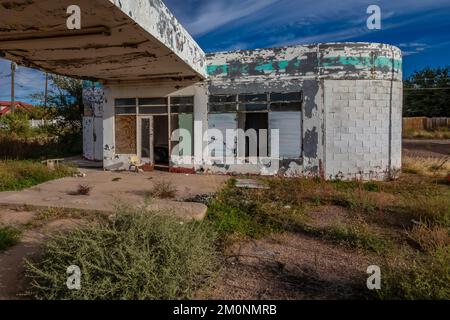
x: 217, y: 138
x: 289, y: 125
x: 125, y: 132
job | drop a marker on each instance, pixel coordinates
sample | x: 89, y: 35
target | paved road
x: 426, y: 148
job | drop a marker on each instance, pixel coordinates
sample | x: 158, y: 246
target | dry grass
x: 432, y: 167
x: 441, y: 133
x: 163, y: 190
x: 430, y: 238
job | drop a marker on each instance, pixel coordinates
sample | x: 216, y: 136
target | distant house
x: 5, y: 107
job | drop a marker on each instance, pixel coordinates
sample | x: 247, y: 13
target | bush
x: 137, y: 255
x: 163, y: 190
x: 18, y: 175
x: 8, y: 237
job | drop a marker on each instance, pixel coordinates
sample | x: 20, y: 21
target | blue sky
x: 421, y: 28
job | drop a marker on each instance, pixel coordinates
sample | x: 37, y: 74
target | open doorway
x: 161, y: 141
x: 257, y: 121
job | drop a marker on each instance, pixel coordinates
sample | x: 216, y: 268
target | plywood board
x: 125, y: 133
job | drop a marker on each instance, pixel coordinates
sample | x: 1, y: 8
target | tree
x: 427, y: 93
x: 66, y: 97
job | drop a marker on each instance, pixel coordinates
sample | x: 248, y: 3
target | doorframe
x: 150, y: 160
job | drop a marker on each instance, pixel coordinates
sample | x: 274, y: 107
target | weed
x: 117, y: 179
x: 137, y: 255
x: 163, y: 190
x: 84, y: 190
x: 8, y: 237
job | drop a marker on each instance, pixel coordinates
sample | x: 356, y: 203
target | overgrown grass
x: 136, y: 255
x: 18, y: 175
x: 418, y: 277
x: 237, y: 212
x: 432, y: 167
x: 8, y: 237
x: 356, y: 235
x: 441, y: 133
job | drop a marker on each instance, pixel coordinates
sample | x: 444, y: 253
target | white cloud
x: 215, y: 14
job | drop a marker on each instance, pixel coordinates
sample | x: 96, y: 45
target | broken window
x: 149, y: 106
x: 291, y: 101
x: 125, y: 106
x: 222, y: 103
x: 182, y: 104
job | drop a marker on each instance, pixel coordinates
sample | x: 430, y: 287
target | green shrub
x: 8, y: 237
x: 138, y: 255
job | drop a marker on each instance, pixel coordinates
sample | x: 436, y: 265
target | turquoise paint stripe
x: 380, y: 62
x: 268, y: 66
x: 217, y: 69
x: 265, y: 67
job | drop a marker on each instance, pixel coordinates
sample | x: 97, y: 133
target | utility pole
x: 46, y: 89
x: 13, y: 71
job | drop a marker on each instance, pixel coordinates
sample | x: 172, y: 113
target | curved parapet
x: 357, y: 60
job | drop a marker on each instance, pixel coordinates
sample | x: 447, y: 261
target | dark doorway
x: 161, y: 140
x: 257, y: 121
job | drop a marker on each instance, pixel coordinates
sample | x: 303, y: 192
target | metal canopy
x: 119, y: 40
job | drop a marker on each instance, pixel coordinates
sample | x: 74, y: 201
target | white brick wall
x: 357, y: 128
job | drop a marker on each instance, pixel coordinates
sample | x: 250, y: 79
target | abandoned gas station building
x: 154, y: 99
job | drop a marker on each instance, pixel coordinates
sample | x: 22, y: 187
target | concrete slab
x: 112, y: 189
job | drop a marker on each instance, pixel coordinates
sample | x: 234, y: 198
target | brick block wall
x: 362, y: 132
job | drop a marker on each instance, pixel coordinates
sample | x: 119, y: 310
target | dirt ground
x: 292, y: 267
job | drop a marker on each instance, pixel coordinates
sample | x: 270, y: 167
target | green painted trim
x: 269, y: 66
